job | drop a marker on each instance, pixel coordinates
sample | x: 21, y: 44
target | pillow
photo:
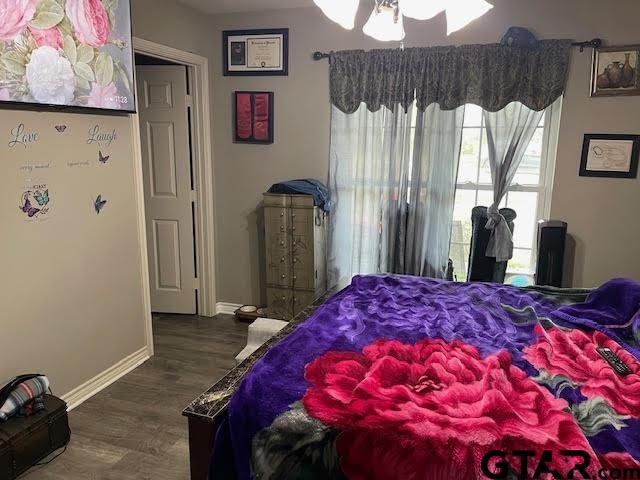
x: 21, y: 394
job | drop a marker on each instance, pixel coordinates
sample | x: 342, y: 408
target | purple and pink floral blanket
x: 415, y: 379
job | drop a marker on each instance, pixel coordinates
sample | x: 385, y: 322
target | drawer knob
x: 293, y: 215
x: 282, y: 214
x: 282, y: 228
x: 295, y: 260
x: 283, y: 298
x: 295, y: 277
x: 282, y: 259
x: 284, y: 276
x: 293, y: 228
x: 282, y: 244
x: 295, y: 300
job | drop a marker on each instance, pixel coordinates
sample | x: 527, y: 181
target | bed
x: 412, y: 378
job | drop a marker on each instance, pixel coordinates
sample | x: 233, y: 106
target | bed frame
x: 205, y: 413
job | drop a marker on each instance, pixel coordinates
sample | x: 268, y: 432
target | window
x: 372, y: 156
x: 529, y: 194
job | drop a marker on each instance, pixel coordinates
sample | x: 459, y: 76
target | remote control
x: 615, y: 361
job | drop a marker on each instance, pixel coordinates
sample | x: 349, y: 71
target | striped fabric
x: 23, y: 394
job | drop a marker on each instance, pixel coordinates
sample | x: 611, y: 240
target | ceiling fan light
x: 384, y: 26
x: 343, y: 12
x: 422, y: 9
x: 461, y: 13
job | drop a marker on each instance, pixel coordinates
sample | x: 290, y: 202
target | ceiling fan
x: 386, y: 21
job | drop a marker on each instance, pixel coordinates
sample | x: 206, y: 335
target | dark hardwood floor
x: 134, y: 428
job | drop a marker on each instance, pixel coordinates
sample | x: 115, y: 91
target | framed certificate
x: 608, y: 155
x: 256, y: 52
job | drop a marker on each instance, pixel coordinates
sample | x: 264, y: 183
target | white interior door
x: 166, y: 156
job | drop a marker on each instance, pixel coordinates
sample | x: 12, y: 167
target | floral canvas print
x: 67, y: 52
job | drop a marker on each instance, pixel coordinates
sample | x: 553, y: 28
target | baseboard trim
x: 227, y: 308
x: 101, y: 381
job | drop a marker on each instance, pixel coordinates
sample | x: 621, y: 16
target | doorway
x: 165, y: 136
x: 175, y: 179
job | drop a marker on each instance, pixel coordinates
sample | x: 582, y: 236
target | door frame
x: 202, y: 158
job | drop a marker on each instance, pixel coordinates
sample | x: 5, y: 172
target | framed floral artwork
x: 616, y: 71
x: 75, y: 53
x: 253, y: 117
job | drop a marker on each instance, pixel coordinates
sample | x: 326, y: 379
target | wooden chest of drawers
x: 295, y: 243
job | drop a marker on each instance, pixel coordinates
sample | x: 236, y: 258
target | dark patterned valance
x: 491, y: 76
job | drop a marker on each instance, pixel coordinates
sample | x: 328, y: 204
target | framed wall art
x: 253, y: 119
x: 76, y: 53
x: 608, y: 155
x: 256, y: 52
x: 616, y: 71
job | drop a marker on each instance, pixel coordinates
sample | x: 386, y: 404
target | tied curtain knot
x: 501, y: 241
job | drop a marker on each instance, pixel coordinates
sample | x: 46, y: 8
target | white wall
x: 71, y: 302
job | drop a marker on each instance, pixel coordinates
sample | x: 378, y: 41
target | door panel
x: 166, y: 239
x: 158, y: 94
x: 166, y: 157
x: 162, y: 159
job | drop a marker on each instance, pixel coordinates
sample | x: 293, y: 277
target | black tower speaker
x: 551, y: 242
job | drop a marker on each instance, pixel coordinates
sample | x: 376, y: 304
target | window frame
x: 544, y: 189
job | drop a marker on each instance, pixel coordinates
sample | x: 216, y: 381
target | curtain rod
x: 595, y: 43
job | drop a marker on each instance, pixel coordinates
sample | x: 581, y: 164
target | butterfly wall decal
x: 61, y: 128
x: 99, y: 204
x: 42, y: 197
x: 103, y: 158
x: 27, y: 207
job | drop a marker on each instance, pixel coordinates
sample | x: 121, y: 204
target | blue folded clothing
x: 320, y: 193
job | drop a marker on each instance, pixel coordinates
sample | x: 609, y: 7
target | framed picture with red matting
x: 253, y: 119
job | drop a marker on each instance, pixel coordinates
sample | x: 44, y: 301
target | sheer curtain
x: 393, y: 170
x: 392, y: 176
x: 509, y: 132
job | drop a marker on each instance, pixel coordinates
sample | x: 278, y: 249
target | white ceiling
x: 234, y: 6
